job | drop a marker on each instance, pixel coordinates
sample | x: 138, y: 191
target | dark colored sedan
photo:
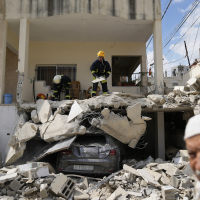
x: 92, y: 153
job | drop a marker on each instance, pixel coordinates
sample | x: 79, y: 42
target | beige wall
x: 11, y: 76
x: 81, y: 54
x: 12, y: 41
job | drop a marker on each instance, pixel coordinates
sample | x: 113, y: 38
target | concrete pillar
x: 3, y: 41
x: 23, y: 46
x: 160, y: 135
x: 158, y: 56
x: 22, y: 85
x: 144, y: 78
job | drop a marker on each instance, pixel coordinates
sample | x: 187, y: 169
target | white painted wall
x: 81, y: 54
x: 7, y: 122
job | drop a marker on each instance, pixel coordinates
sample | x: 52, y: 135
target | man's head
x: 57, y: 79
x: 100, y: 56
x: 192, y: 139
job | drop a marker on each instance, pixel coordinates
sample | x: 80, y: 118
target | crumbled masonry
x: 50, y: 121
x: 59, y: 123
x: 148, y: 179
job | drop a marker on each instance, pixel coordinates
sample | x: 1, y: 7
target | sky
x: 171, y: 53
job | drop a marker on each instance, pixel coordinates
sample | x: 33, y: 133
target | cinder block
x: 62, y: 186
x: 67, y: 189
x: 15, y: 185
x: 175, y: 181
x: 168, y: 192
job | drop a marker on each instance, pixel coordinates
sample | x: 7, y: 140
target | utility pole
x: 187, y: 54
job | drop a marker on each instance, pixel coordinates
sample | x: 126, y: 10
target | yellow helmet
x: 101, y: 53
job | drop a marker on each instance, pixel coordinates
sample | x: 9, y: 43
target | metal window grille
x: 46, y: 73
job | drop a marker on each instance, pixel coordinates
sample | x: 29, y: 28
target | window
x: 126, y: 70
x: 47, y: 72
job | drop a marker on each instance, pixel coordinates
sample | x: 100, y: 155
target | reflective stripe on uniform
x: 104, y: 81
x: 67, y: 96
x: 94, y: 77
x: 53, y: 96
x: 94, y: 92
x: 69, y: 82
x: 105, y: 92
x: 55, y: 91
x: 108, y: 72
x: 93, y: 72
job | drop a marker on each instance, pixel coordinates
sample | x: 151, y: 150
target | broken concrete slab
x: 79, y: 195
x: 14, y: 154
x: 117, y: 193
x: 116, y: 126
x: 156, y: 98
x: 27, y: 132
x: 43, y: 128
x: 188, y: 170
x: 131, y: 170
x: 148, y: 177
x: 74, y: 112
x: 34, y: 170
x: 134, y: 113
x: 193, y: 84
x: 34, y: 117
x: 29, y: 191
x: 170, y: 168
x: 8, y: 177
x: 43, y: 110
x: 60, y: 129
x: 43, y: 191
x: 11, y: 171
x: 83, y: 183
x: 61, y: 145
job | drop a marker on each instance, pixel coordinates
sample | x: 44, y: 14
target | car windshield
x: 91, y: 140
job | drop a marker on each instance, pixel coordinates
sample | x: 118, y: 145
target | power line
x: 174, y: 61
x: 183, y: 19
x: 166, y: 9
x: 180, y: 26
x: 183, y: 35
x: 195, y: 41
x: 179, y: 39
x: 161, y: 19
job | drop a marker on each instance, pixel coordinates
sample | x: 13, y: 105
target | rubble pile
x: 150, y: 179
x: 56, y: 124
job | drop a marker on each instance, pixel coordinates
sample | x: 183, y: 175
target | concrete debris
x: 43, y: 110
x: 60, y: 129
x: 156, y: 98
x: 14, y: 154
x: 74, y: 112
x: 27, y: 132
x: 139, y: 181
x: 193, y: 84
x: 34, y: 117
x: 116, y: 126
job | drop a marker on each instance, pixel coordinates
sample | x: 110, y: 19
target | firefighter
x: 61, y: 82
x: 100, y: 67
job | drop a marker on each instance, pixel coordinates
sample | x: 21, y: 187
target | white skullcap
x: 193, y: 127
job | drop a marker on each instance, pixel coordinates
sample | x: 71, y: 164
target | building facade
x: 42, y: 36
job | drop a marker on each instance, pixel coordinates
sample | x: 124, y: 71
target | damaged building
x: 55, y: 150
